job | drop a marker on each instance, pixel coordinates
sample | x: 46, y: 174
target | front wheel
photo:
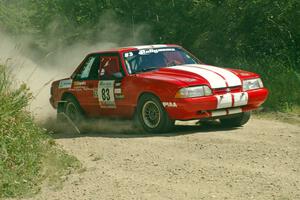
x: 152, y: 115
x: 236, y: 121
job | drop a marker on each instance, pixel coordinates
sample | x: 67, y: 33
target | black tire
x: 236, y: 121
x: 151, y: 115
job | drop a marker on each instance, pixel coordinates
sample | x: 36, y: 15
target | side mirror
x: 118, y: 75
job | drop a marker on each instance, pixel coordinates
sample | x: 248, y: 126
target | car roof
x: 134, y: 48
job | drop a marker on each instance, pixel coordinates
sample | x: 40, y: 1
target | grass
x: 28, y: 155
x: 57, y: 165
x: 292, y: 116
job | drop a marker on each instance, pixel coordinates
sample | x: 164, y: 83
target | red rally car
x: 156, y: 85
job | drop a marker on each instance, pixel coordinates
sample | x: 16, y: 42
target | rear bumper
x: 215, y: 105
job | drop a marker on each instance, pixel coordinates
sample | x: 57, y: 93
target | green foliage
x: 258, y: 32
x: 20, y: 139
x: 24, y: 147
x: 282, y: 81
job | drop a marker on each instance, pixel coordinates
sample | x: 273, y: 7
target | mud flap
x: 62, y: 117
x: 61, y: 106
x: 65, y: 118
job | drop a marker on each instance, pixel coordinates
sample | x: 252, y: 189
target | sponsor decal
x: 128, y: 54
x: 79, y: 83
x: 118, y: 91
x: 149, y: 51
x: 106, y: 95
x: 63, y: 84
x: 169, y: 104
x: 117, y: 84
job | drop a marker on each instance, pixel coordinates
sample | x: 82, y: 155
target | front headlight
x: 252, y: 84
x: 196, y: 91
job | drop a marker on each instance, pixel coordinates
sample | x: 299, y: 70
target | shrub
x: 281, y: 79
x: 23, y: 145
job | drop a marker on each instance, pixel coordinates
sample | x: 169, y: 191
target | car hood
x: 196, y: 74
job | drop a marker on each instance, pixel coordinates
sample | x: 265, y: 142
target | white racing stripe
x: 240, y: 99
x: 231, y: 78
x: 214, y: 79
x: 224, y: 101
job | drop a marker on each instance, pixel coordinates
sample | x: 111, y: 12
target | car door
x: 111, y: 86
x: 84, y: 83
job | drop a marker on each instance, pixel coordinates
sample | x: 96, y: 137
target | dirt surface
x: 259, y: 161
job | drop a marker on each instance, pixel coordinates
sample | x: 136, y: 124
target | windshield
x: 150, y: 59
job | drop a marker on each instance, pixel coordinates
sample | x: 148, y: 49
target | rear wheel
x: 236, y: 121
x: 151, y: 115
x: 71, y: 113
x: 72, y: 110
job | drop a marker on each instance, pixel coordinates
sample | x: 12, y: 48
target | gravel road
x: 259, y: 161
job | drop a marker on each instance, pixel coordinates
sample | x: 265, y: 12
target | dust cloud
x: 38, y: 72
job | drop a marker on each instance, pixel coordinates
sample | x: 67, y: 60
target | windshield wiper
x: 149, y: 69
x: 146, y: 69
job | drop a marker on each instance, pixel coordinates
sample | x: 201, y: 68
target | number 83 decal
x: 106, y: 95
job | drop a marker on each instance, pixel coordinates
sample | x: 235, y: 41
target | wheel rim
x: 151, y: 114
x: 71, y: 112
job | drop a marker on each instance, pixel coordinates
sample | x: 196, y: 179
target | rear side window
x: 108, y: 66
x: 109, y: 63
x: 89, y: 69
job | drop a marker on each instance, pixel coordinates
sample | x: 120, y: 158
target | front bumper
x: 215, y: 105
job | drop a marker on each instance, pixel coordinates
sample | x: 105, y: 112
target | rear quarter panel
x: 57, y: 92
